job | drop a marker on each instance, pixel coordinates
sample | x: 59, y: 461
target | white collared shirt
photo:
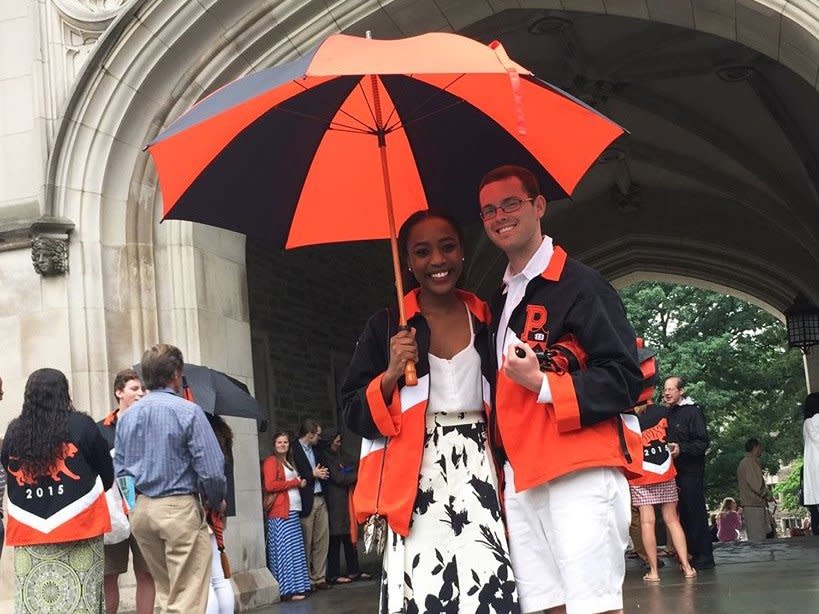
x: 515, y: 288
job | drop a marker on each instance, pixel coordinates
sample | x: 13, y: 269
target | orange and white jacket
x: 658, y: 466
x: 583, y: 426
x: 393, y: 433
x: 69, y: 503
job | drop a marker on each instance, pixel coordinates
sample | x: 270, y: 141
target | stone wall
x: 307, y: 308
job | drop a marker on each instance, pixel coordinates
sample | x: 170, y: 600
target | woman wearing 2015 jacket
x: 58, y: 468
x: 424, y: 463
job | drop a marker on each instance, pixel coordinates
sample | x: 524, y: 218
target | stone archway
x: 187, y: 283
x: 157, y: 58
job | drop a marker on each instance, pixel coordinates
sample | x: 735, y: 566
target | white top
x: 810, y: 431
x: 455, y: 384
x: 293, y: 493
x: 515, y: 288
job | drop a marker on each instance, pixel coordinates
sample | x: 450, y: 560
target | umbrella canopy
x: 297, y: 155
x: 218, y: 393
x: 292, y: 155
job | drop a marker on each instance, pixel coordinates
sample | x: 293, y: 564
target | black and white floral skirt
x: 456, y: 558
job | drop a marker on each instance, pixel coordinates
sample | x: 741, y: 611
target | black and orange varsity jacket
x: 393, y: 433
x: 582, y: 427
x: 69, y: 503
x: 658, y: 466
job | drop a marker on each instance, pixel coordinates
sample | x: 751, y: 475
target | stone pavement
x: 777, y: 576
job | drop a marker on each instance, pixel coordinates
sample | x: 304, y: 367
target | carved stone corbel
x: 49, y: 245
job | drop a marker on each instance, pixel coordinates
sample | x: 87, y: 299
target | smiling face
x: 672, y: 393
x: 282, y: 445
x: 517, y: 233
x: 130, y: 394
x: 435, y: 255
x: 335, y: 445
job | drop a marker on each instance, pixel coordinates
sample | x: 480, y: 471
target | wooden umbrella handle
x: 410, y: 376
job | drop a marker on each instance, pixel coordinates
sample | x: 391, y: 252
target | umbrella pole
x: 410, y: 376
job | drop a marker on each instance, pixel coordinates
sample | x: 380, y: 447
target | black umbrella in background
x: 218, y: 393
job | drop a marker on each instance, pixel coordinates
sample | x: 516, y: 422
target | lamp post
x: 802, y: 320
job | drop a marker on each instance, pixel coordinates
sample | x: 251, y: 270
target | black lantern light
x: 802, y: 320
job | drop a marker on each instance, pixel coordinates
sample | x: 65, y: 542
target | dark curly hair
x: 37, y: 436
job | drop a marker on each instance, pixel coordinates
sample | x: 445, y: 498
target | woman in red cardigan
x: 285, y: 545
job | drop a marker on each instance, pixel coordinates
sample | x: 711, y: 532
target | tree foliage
x: 736, y: 364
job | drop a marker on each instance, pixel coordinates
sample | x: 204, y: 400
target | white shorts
x: 568, y: 540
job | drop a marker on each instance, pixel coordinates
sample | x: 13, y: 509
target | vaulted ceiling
x: 718, y: 180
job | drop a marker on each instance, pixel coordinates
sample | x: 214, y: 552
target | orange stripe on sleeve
x: 564, y: 400
x: 386, y: 418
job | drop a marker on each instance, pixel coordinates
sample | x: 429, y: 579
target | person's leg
x: 110, y: 586
x: 321, y: 540
x: 145, y: 588
x: 649, y: 541
x: 187, y: 553
x: 307, y: 524
x: 587, y: 529
x: 694, y: 519
x: 813, y: 510
x: 636, y: 534
x: 333, y: 552
x: 675, y: 531
x: 351, y: 557
x: 756, y: 523
x: 115, y: 563
x: 220, y: 588
x: 534, y: 566
x: 145, y: 529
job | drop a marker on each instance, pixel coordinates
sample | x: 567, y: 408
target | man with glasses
x: 558, y: 433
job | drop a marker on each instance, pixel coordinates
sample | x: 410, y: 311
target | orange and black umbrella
x: 347, y: 142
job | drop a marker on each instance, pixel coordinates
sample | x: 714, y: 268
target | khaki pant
x: 173, y: 538
x: 316, y: 531
x: 756, y: 522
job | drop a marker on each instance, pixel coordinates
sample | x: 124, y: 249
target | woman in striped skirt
x: 285, y: 545
x: 657, y: 486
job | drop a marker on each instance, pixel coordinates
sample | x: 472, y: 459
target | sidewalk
x: 773, y: 577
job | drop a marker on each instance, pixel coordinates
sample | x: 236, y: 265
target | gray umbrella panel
x: 218, y: 393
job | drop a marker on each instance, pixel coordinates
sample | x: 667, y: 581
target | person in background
x: 713, y: 528
x: 220, y: 594
x: 342, y: 478
x: 127, y: 391
x: 729, y: 521
x: 810, y: 466
x: 2, y: 488
x: 754, y: 493
x: 688, y: 441
x: 315, y: 525
x: 168, y: 520
x: 58, y: 467
x: 657, y: 487
x: 286, y: 558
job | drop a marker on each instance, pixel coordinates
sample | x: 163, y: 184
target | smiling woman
x: 447, y: 545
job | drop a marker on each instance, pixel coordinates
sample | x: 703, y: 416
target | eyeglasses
x: 508, y: 206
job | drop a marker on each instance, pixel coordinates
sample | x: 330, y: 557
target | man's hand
x: 321, y: 472
x: 302, y: 482
x: 523, y: 371
x: 674, y: 449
